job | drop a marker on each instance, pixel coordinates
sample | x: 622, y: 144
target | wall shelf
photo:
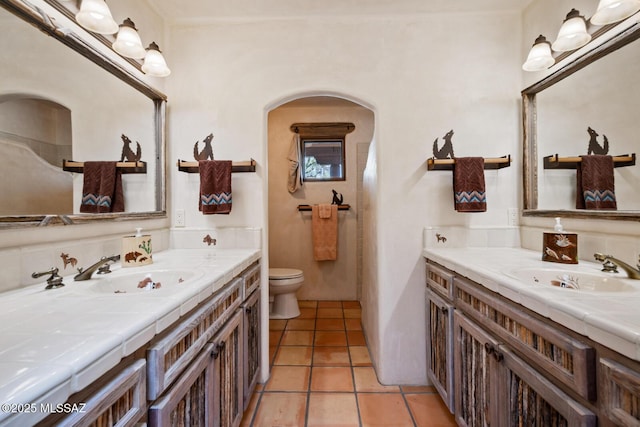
x: 489, y: 163
x: 125, y: 167
x: 192, y: 167
x: 556, y: 162
x: 302, y: 208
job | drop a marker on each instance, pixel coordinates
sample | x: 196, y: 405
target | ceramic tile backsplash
x: 225, y: 237
x: 17, y: 264
x: 464, y: 237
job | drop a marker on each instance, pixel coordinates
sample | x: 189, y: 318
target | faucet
x: 102, y: 266
x: 607, y: 260
x: 55, y: 281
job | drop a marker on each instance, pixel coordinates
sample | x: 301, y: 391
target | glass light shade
x: 573, y: 33
x: 154, y: 63
x: 94, y: 15
x: 539, y: 57
x: 611, y: 11
x: 128, y: 41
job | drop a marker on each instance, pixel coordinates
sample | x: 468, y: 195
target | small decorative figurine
x: 441, y: 238
x: 594, y: 146
x: 209, y: 240
x: 127, y: 153
x: 447, y: 149
x: 337, y: 198
x: 207, y: 151
x: 66, y: 260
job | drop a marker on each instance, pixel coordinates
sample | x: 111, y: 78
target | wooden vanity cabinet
x: 440, y: 349
x: 251, y: 345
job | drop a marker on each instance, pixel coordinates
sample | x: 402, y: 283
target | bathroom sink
x: 572, y: 280
x: 130, y: 283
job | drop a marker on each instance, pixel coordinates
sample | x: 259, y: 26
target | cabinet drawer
x: 620, y: 393
x: 567, y: 359
x: 251, y: 280
x: 168, y: 357
x: 121, y: 402
x: 440, y: 280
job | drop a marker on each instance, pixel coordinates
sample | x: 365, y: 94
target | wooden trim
x: 192, y: 167
x: 489, y: 163
x: 322, y: 129
x: 556, y: 162
x: 125, y: 167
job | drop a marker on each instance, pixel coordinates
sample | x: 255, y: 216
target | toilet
x: 283, y: 284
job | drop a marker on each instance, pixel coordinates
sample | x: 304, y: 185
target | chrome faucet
x: 607, y: 260
x: 102, y: 266
x: 54, y: 281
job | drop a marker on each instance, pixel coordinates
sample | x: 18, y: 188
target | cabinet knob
x: 248, y: 310
x: 217, y: 348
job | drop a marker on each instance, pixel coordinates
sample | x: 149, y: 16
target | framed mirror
x: 590, y: 102
x: 63, y: 98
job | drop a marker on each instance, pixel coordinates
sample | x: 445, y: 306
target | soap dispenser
x: 560, y: 246
x: 136, y: 250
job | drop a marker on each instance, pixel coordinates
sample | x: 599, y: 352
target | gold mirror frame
x: 529, y: 121
x: 40, y: 20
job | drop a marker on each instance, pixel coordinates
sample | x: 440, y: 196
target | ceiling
x: 195, y: 11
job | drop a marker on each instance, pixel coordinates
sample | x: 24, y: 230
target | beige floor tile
x: 331, y: 356
x: 247, y: 417
x: 332, y: 410
x: 277, y: 324
x: 383, y: 409
x: 330, y: 338
x: 330, y: 313
x: 281, y: 409
x: 331, y: 379
x: 352, y: 313
x: 300, y: 356
x: 418, y: 389
x: 272, y: 353
x: 297, y: 338
x: 360, y: 356
x: 429, y: 410
x: 356, y: 338
x: 366, y: 380
x: 274, y: 337
x: 307, y: 304
x: 329, y: 324
x: 353, y: 324
x: 307, y: 313
x: 329, y: 304
x: 301, y: 325
x: 350, y: 304
x: 289, y: 378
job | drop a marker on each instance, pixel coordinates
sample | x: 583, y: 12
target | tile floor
x: 321, y: 375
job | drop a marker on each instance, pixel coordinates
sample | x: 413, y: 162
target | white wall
x: 421, y: 75
x: 290, y: 241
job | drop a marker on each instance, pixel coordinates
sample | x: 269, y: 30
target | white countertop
x: 56, y: 342
x: 609, y: 318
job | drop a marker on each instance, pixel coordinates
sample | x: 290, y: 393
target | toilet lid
x: 284, y: 273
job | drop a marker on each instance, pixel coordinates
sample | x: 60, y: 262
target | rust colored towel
x: 595, y: 183
x: 324, y: 232
x: 102, y: 190
x: 468, y: 185
x: 215, y: 186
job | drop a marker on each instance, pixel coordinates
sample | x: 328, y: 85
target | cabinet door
x: 476, y: 401
x: 531, y: 400
x: 251, y: 344
x: 440, y: 346
x: 188, y: 401
x: 620, y: 393
x: 227, y: 396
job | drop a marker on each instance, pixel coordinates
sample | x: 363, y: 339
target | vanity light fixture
x: 154, y: 63
x: 94, y: 15
x: 539, y: 57
x: 128, y: 41
x: 611, y: 11
x: 573, y: 33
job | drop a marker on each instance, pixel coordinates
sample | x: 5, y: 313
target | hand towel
x: 325, y: 211
x: 324, y: 233
x: 215, y: 187
x: 102, y: 191
x: 294, y: 178
x: 468, y: 184
x: 595, y: 183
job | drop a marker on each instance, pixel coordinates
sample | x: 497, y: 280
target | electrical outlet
x: 512, y: 216
x: 179, y: 218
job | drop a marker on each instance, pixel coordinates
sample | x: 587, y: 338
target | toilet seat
x: 284, y: 273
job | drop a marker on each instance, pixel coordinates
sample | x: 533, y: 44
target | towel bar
x: 192, y: 167
x: 489, y: 163
x: 556, y: 162
x: 125, y: 167
x: 308, y: 207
